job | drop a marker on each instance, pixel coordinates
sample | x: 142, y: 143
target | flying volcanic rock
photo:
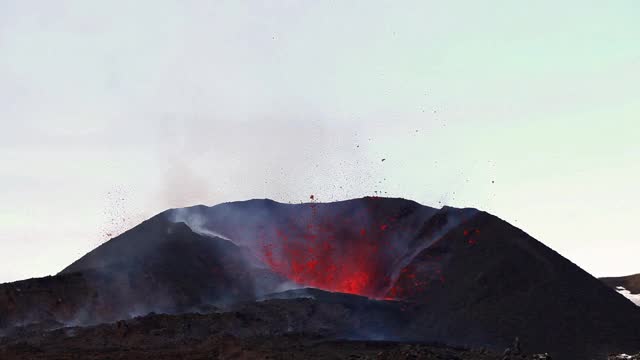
x: 462, y: 276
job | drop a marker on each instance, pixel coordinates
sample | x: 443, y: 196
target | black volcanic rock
x: 462, y: 276
x: 291, y: 328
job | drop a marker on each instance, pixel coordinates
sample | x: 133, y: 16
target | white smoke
x: 195, y: 221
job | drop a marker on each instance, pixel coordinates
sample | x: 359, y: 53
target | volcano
x: 456, y: 276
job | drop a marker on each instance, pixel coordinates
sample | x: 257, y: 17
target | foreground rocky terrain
x: 332, y: 327
x: 229, y: 347
x: 459, y: 277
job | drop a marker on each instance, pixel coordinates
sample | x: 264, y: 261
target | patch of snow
x: 623, y: 357
x: 635, y: 298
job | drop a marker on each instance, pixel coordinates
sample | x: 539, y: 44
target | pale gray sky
x: 112, y: 111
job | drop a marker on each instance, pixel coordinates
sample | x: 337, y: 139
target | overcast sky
x: 112, y: 111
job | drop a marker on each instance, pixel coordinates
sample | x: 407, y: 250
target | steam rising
x: 195, y: 221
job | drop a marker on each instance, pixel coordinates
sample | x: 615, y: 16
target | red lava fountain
x: 344, y: 254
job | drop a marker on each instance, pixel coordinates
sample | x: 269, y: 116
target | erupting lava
x: 352, y: 254
x: 364, y: 247
x: 318, y: 261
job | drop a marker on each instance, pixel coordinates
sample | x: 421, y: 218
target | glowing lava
x: 365, y: 247
x: 308, y: 254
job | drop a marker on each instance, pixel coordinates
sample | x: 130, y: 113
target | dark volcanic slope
x: 475, y: 279
x: 156, y: 266
x: 497, y: 281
